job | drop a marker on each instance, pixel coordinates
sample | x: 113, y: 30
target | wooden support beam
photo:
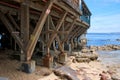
x: 82, y: 32
x: 11, y: 30
x: 25, y: 22
x: 73, y: 12
x: 74, y: 32
x: 76, y: 29
x: 35, y: 35
x: 47, y: 28
x: 59, y: 43
x: 60, y: 21
x: 72, y: 43
x: 53, y: 12
x: 13, y: 22
x: 71, y: 27
x: 54, y: 32
x: 78, y: 32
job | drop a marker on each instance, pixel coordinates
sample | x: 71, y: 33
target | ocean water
x: 110, y: 57
x: 99, y: 39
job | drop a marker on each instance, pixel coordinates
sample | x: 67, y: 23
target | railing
x: 78, y: 5
x: 85, y: 18
x: 72, y: 4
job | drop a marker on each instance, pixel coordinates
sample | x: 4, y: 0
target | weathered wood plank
x: 25, y: 22
x: 84, y: 30
x: 11, y: 30
x: 81, y: 30
x: 71, y: 11
x: 58, y: 32
x: 71, y: 27
x: 60, y: 21
x: 13, y: 21
x: 35, y: 35
x: 59, y: 44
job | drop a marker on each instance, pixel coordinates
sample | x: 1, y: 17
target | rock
x: 85, y: 50
x: 86, y: 57
x: 82, y: 59
x: 105, y: 47
x: 66, y: 73
x: 82, y: 55
x: 93, y: 47
x: 74, y: 54
x: 94, y: 55
x: 74, y: 60
x: 115, y: 77
x: 105, y: 76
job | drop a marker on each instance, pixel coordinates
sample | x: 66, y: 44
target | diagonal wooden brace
x: 36, y: 33
x: 11, y: 30
x: 72, y: 25
x: 61, y: 20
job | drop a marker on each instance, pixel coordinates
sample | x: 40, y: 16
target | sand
x: 84, y: 71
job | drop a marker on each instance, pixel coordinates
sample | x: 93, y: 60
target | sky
x: 105, y: 15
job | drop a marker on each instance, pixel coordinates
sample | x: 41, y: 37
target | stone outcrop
x: 105, y: 47
x: 85, y: 55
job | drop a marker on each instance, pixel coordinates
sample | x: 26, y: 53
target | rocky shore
x: 105, y: 47
x: 80, y: 65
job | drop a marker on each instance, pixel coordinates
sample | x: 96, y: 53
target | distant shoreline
x: 105, y: 47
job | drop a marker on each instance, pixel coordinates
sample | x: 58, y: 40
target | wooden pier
x: 45, y: 24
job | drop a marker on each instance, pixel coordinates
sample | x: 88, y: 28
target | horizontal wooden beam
x: 55, y: 32
x: 66, y: 8
x: 53, y: 13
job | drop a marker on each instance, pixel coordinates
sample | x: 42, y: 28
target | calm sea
x: 99, y: 39
x: 111, y: 58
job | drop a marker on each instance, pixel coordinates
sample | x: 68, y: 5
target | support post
x: 36, y: 33
x: 28, y: 66
x: 24, y: 27
x: 48, y: 59
x: 62, y: 57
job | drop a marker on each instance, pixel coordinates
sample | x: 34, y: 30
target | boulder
x: 82, y: 59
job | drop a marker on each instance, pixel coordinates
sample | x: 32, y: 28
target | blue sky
x: 105, y: 15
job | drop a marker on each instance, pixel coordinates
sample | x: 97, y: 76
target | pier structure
x: 43, y: 25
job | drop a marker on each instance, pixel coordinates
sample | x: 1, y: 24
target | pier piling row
x: 45, y: 24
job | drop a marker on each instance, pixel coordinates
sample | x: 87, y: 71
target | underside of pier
x: 32, y: 26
